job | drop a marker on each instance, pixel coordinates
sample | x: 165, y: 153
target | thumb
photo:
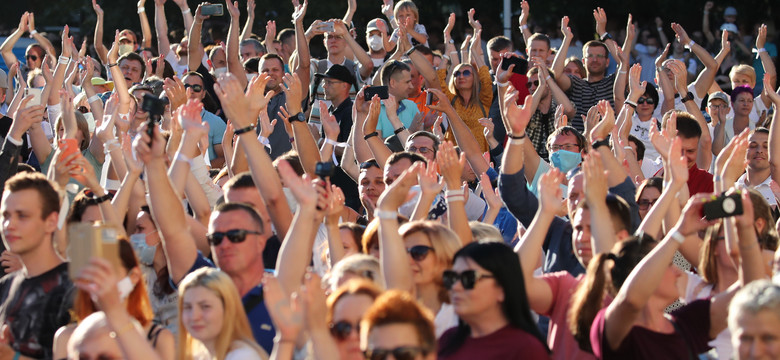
x: 5, y: 334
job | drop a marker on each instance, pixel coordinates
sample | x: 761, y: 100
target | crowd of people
x: 395, y: 198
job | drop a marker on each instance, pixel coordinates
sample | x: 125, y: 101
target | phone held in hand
x: 376, y: 90
x: 328, y: 26
x: 521, y: 65
x: 429, y: 98
x: 325, y: 169
x: 36, y: 94
x: 211, y: 10
x: 67, y: 147
x: 88, y: 241
x: 723, y: 206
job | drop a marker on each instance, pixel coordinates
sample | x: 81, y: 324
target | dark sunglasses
x: 195, y: 88
x: 368, y: 164
x: 532, y: 83
x: 465, y: 73
x: 31, y: 57
x: 399, y: 353
x: 419, y: 252
x: 82, y: 109
x: 342, y: 329
x: 467, y: 278
x: 648, y: 101
x: 645, y: 204
x: 235, y: 236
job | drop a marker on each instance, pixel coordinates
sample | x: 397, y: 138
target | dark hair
x: 687, y: 126
x: 413, y: 157
x: 167, y: 68
x: 357, y: 231
x: 255, y: 43
x: 740, y: 90
x: 535, y: 70
x: 566, y: 130
x: 252, y: 64
x: 293, y: 159
x: 272, y: 56
x: 424, y: 50
x: 498, y: 43
x: 50, y: 199
x: 428, y: 134
x: 285, y: 35
x: 655, y: 182
x: 577, y: 62
x: 539, y: 37
x: 390, y: 69
x: 620, y: 213
x: 588, y: 298
x: 237, y: 206
x: 134, y: 57
x: 594, y: 43
x: 760, y: 130
x: 369, y: 164
x: 498, y: 259
x: 80, y: 203
x: 640, y: 147
x: 240, y: 181
x: 652, y: 92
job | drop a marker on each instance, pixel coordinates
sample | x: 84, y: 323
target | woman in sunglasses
x: 647, y: 194
x: 212, y: 322
x: 492, y: 305
x: 397, y: 324
x: 640, y: 105
x: 346, y: 307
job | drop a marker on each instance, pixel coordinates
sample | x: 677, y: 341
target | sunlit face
x: 580, y: 236
x: 743, y: 104
x: 427, y: 270
x: 34, y: 57
x: 486, y: 296
x: 336, y: 44
x: 393, y: 171
x: 132, y: 70
x: 690, y: 149
x: 574, y: 193
x: 400, y: 85
x: 91, y: 215
x: 249, y: 51
x: 417, y: 82
x: 275, y: 70
x: 24, y: 228
x: 422, y: 145
x: 218, y: 59
x: 572, y: 69
x: 202, y: 313
x: 335, y: 89
x: 97, y: 345
x: 139, y: 97
x: 538, y: 48
x: 406, y: 13
x: 533, y: 84
x: 194, y: 86
x: 643, y: 109
x: 371, y: 184
x: 647, y: 199
x: 758, y: 151
x: 348, y: 240
x: 596, y: 60
x: 739, y: 79
x: 495, y: 58
x: 236, y: 258
x: 350, y: 309
x: 464, y: 77
x: 145, y: 225
x: 391, y: 336
x: 251, y: 196
x: 757, y: 336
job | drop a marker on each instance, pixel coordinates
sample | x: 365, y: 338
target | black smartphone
x: 723, y: 206
x: 429, y: 98
x: 211, y: 10
x: 521, y: 65
x: 325, y: 169
x: 376, y: 90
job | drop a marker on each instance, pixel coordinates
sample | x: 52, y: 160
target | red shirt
x: 699, y: 181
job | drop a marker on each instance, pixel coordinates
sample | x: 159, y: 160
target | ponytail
x: 587, y: 300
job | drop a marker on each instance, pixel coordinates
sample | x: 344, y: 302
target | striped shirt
x: 585, y: 94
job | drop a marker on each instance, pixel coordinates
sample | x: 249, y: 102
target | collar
x: 342, y: 106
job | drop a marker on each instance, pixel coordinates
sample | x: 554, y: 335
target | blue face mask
x: 565, y: 160
x: 144, y: 252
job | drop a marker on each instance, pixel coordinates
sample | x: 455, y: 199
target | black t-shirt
x: 5, y: 127
x: 34, y: 308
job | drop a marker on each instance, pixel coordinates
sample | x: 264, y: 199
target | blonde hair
x: 445, y: 244
x: 407, y: 5
x: 746, y: 70
x: 485, y: 232
x: 362, y: 265
x: 235, y: 325
x: 474, y: 100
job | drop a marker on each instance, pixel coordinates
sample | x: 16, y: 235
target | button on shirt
x: 764, y: 188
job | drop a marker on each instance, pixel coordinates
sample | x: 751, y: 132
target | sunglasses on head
x: 195, y: 87
x: 368, y: 164
x: 648, y: 101
x: 235, y: 236
x: 399, y: 353
x: 467, y: 278
x: 342, y: 329
x: 419, y: 252
x: 31, y: 57
x: 532, y: 84
x: 465, y: 73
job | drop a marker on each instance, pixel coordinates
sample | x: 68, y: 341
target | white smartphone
x: 36, y: 93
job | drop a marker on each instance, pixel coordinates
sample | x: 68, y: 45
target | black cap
x: 339, y: 72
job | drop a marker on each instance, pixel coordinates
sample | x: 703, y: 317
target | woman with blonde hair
x: 212, y: 323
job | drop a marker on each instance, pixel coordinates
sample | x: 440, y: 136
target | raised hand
x: 190, y: 118
x: 303, y: 188
x: 773, y: 96
x: 725, y: 44
x: 492, y: 198
x: 22, y: 28
x: 99, y: 279
x: 601, y: 20
x: 329, y: 124
x: 604, y: 127
x: 147, y: 153
x: 761, y: 38
x: 266, y: 125
x: 292, y: 90
x: 680, y: 34
x: 372, y: 119
x: 691, y: 220
x: 550, y: 192
x: 736, y: 163
x: 257, y: 96
x: 661, y: 140
x: 450, y: 165
x: 448, y: 28
x: 174, y: 89
x: 474, y: 23
x: 635, y: 86
x: 595, y: 180
x: 488, y: 128
x: 565, y: 29
x: 517, y: 116
x: 300, y: 12
x: 678, y: 166
x: 232, y: 8
x: 659, y: 61
x: 286, y: 312
x: 335, y: 204
x: 97, y: 8
x: 398, y: 193
x: 234, y: 103
x: 680, y: 76
x: 81, y: 170
x: 525, y: 13
x: 270, y: 32
x: 442, y: 104
x: 67, y: 42
x: 429, y: 181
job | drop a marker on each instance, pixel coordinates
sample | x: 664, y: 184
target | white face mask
x: 375, y: 42
x: 651, y: 49
x: 125, y: 49
x: 125, y: 287
x: 250, y: 76
x: 219, y: 71
x: 90, y: 121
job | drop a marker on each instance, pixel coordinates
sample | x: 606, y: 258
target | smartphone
x: 723, y: 206
x: 36, y: 93
x: 211, y: 10
x: 328, y: 26
x: 325, y: 169
x: 87, y: 241
x: 68, y: 147
x: 376, y: 90
x: 521, y: 65
x: 429, y: 98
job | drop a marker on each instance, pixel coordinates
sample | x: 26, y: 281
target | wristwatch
x: 102, y: 199
x: 298, y: 117
x: 604, y: 37
x: 687, y: 97
x: 410, y: 51
x: 598, y: 143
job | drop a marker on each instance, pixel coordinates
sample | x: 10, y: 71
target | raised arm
x: 303, y: 63
x: 234, y: 64
x: 120, y: 84
x: 774, y: 132
x: 100, y: 48
x: 463, y: 135
x: 705, y: 142
x: 562, y: 79
x: 351, y: 8
x: 769, y: 66
x: 705, y: 22
x: 146, y: 31
x: 6, y: 49
x: 194, y: 47
x: 250, y: 22
x: 378, y: 149
x: 616, y: 173
x: 366, y: 65
x: 706, y: 76
x: 602, y: 229
x: 161, y: 28
x: 425, y: 68
x: 451, y: 167
x: 525, y: 13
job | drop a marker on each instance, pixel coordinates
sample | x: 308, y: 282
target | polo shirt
x: 217, y: 129
x: 699, y: 181
x: 765, y: 188
x: 407, y: 109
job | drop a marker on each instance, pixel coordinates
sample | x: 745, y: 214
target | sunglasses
x: 532, y: 84
x: 645, y: 204
x: 342, y: 329
x: 465, y: 73
x: 648, y: 101
x: 467, y: 278
x: 419, y: 252
x: 235, y: 236
x: 195, y: 88
x: 31, y: 57
x: 368, y: 164
x: 82, y: 109
x: 399, y: 353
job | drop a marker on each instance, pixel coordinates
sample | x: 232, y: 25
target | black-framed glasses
x: 465, y: 73
x: 235, y: 236
x: 531, y: 84
x: 421, y: 150
x: 399, y: 353
x: 342, y: 329
x: 31, y: 57
x: 648, y: 101
x: 419, y: 252
x: 195, y: 87
x: 467, y: 278
x: 645, y: 204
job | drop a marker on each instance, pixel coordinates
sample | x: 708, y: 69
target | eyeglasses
x: 531, y: 84
x: 467, y: 278
x: 596, y: 56
x: 399, y: 353
x: 648, y: 101
x: 567, y: 147
x: 645, y: 204
x: 31, y: 57
x: 235, y: 236
x: 342, y: 329
x: 465, y: 73
x: 330, y: 82
x: 713, y: 106
x: 419, y: 252
x: 196, y: 88
x: 82, y: 109
x: 421, y: 150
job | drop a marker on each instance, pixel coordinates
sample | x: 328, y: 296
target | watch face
x: 301, y: 117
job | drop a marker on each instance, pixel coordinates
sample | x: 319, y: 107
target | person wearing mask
x: 376, y: 35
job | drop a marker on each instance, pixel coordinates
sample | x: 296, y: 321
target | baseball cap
x: 729, y: 27
x: 3, y: 79
x: 730, y: 11
x: 372, y: 25
x: 339, y: 72
x: 720, y: 95
x: 100, y: 81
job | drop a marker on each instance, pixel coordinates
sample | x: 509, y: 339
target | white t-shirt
x: 241, y: 351
x: 445, y: 319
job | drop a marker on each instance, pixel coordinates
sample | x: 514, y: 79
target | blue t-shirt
x: 407, y: 109
x: 217, y: 129
x: 259, y: 318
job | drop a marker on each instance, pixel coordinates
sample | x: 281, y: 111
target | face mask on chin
x: 219, y: 71
x: 565, y: 161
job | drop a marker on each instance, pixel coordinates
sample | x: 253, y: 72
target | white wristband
x: 140, y: 10
x: 502, y: 84
x: 385, y: 214
x: 690, y: 44
x: 680, y: 238
x: 455, y: 192
x: 33, y: 32
x: 186, y: 11
x: 183, y: 158
x: 93, y: 98
x: 63, y: 60
x: 264, y: 140
x: 523, y: 27
x: 517, y: 141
